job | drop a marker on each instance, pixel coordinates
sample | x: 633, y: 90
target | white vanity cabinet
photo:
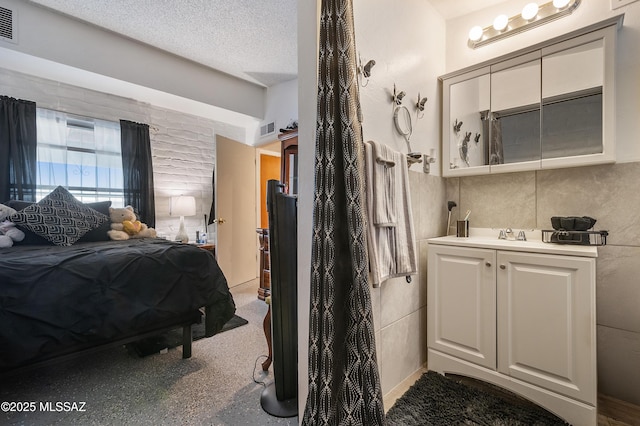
x: 523, y: 320
x: 548, y: 106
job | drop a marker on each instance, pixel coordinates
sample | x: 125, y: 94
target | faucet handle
x: 521, y: 236
x: 502, y: 235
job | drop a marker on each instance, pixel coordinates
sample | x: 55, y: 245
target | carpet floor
x: 438, y: 400
x: 218, y: 385
x: 173, y: 338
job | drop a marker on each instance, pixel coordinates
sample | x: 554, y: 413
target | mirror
x: 515, y: 112
x: 572, y: 102
x: 469, y: 125
x: 402, y: 120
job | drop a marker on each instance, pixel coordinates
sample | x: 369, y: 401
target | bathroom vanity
x: 518, y: 314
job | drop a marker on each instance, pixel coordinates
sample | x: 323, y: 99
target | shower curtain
x: 344, y: 382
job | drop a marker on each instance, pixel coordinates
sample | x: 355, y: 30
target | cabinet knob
x: 487, y: 264
x: 503, y: 267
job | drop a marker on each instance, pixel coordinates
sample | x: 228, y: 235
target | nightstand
x: 208, y: 247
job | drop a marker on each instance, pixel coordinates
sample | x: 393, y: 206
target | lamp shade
x: 183, y: 205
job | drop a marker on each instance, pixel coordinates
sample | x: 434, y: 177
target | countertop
x: 488, y: 238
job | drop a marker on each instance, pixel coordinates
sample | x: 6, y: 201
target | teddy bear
x: 124, y: 225
x: 8, y: 231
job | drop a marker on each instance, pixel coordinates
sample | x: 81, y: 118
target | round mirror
x: 402, y: 120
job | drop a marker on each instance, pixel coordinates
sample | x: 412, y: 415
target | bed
x: 60, y: 301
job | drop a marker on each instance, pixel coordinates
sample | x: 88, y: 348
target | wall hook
x: 420, y: 105
x: 457, y: 126
x: 397, y: 97
x: 365, y: 70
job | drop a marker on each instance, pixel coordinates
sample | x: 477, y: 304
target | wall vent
x: 268, y: 129
x: 8, y: 24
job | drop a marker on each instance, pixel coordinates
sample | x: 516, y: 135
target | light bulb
x: 475, y: 33
x: 560, y: 4
x: 529, y: 11
x: 501, y: 22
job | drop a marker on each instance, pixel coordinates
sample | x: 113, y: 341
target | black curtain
x: 212, y: 211
x: 137, y: 169
x: 18, y: 149
x: 344, y: 382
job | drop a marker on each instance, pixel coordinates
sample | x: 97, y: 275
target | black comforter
x: 53, y: 299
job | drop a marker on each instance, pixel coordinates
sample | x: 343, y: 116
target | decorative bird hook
x: 365, y: 70
x: 397, y: 97
x: 457, y: 126
x: 420, y: 105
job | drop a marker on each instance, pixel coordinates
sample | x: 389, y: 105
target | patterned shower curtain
x: 344, y: 383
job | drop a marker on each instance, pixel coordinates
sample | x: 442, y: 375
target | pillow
x: 97, y: 234
x: 59, y: 217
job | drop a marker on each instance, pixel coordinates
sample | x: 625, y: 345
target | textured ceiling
x: 255, y: 40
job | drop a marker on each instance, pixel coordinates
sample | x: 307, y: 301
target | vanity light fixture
x: 532, y: 16
x: 529, y: 11
x: 500, y: 23
x: 475, y: 33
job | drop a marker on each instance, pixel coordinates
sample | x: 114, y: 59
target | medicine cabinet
x: 548, y: 106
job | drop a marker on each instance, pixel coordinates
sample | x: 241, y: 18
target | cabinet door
x: 546, y: 322
x: 515, y: 114
x: 465, y: 124
x: 578, y: 98
x: 462, y: 303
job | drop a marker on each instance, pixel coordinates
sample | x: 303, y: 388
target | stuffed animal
x: 8, y: 231
x: 124, y: 225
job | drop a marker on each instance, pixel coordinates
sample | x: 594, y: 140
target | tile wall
x: 400, y: 308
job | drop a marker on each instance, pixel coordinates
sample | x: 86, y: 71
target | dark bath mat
x: 438, y: 400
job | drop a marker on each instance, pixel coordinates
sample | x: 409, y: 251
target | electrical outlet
x: 619, y: 3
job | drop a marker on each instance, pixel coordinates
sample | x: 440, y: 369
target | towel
x: 384, y: 185
x: 392, y: 250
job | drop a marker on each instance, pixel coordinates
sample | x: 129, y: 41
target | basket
x: 582, y: 238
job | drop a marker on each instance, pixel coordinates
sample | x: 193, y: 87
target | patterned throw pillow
x: 59, y: 217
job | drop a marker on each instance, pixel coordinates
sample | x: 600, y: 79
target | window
x: 82, y: 154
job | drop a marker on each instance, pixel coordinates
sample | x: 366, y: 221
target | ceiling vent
x: 8, y: 24
x: 268, y: 129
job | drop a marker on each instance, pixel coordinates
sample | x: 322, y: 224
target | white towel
x: 384, y: 185
x: 392, y: 250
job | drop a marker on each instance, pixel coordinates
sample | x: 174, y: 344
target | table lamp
x: 182, y: 206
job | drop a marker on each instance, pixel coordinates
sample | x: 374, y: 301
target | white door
x: 236, y: 245
x: 546, y: 322
x: 462, y: 303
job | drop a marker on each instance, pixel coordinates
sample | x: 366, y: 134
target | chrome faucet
x: 502, y: 235
x: 521, y: 236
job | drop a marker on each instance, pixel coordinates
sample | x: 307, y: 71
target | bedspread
x: 53, y: 298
